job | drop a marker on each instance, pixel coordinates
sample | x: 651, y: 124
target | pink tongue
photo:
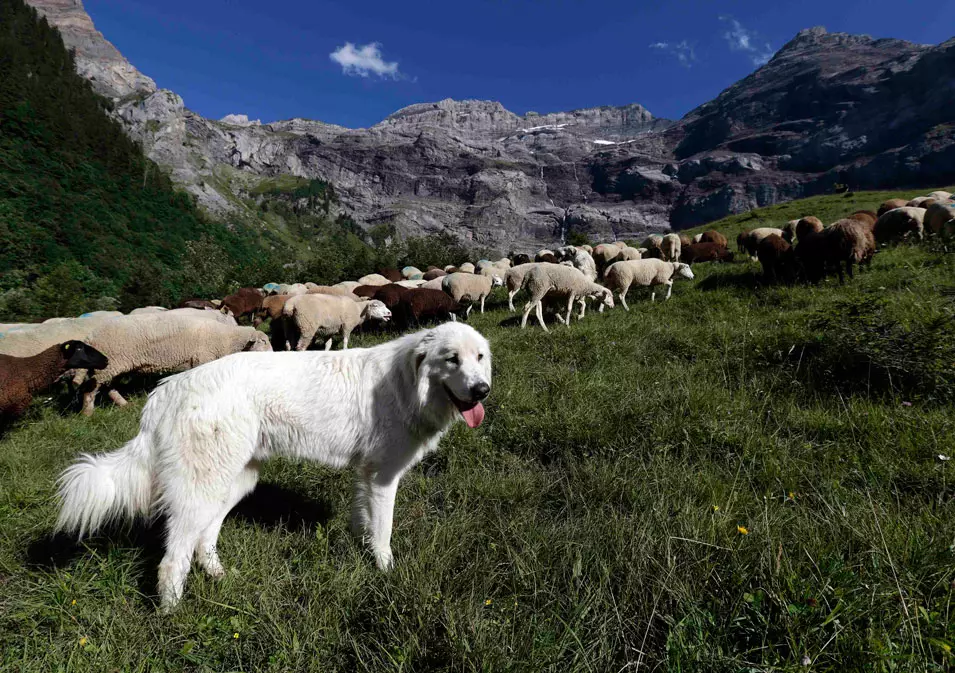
x: 474, y: 415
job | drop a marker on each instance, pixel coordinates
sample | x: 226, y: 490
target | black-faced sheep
x: 520, y: 258
x: 696, y: 253
x: 21, y: 378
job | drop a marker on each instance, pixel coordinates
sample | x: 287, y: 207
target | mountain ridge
x: 823, y: 111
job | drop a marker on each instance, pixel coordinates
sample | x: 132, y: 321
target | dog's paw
x: 384, y: 559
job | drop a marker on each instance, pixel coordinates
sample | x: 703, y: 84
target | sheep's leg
x: 583, y: 308
x: 528, y: 307
x: 454, y: 317
x: 305, y: 340
x: 510, y: 299
x: 849, y: 267
x: 669, y: 288
x: 467, y: 314
x: 623, y: 301
x: 118, y: 399
x: 328, y: 344
x: 89, y: 397
x: 540, y: 315
x: 570, y: 308
x: 345, y: 340
x: 482, y: 303
x: 653, y: 295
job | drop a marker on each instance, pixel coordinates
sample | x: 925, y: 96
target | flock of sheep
x: 154, y: 340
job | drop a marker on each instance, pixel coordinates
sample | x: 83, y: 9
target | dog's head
x: 453, y: 370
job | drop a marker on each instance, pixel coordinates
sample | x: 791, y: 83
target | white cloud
x: 683, y: 51
x: 364, y: 60
x: 741, y: 39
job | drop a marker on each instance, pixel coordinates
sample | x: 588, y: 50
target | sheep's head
x: 258, y: 342
x: 604, y: 295
x: 376, y: 310
x: 682, y: 270
x: 496, y: 281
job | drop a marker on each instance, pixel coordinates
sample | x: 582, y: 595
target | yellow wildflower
x: 792, y: 496
x: 742, y: 530
x: 488, y: 601
x: 74, y: 602
x: 235, y: 635
x: 83, y: 641
x: 947, y: 648
x: 716, y: 508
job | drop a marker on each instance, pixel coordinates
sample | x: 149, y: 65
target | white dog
x: 205, y: 433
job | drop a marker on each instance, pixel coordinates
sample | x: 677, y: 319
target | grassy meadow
x: 744, y: 478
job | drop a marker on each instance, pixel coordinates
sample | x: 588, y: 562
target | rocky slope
x: 827, y: 109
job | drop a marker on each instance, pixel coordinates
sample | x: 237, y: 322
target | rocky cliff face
x: 827, y: 109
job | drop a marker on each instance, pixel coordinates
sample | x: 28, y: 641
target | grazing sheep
x: 409, y: 272
x: 514, y: 279
x: 867, y: 217
x: 777, y: 257
x: 899, y: 223
x: 270, y: 288
x: 201, y: 304
x: 808, y: 225
x: 148, y: 309
x: 467, y: 267
x: 758, y: 234
x: 373, y: 279
x: 392, y: 275
x: 646, y: 273
x: 434, y: 273
x: 390, y: 294
x: 471, y: 288
x: 940, y: 196
x: 621, y: 244
x: 450, y: 268
x: 685, y: 240
x: 161, y: 344
x: 558, y: 281
x: 789, y: 231
x: 938, y: 216
x: 671, y: 248
x: 589, y: 249
x: 201, y: 314
x: 330, y: 289
x: 21, y: 378
x: 545, y: 256
x: 713, y: 236
x: 891, y: 204
x: 367, y: 291
x: 696, y: 253
x: 349, y: 285
x: 917, y: 202
x: 520, y: 258
x: 433, y: 284
x: 411, y: 283
x: 653, y: 241
x: 296, y: 289
x: 26, y: 342
x: 605, y: 255
x: 325, y: 315
x: 850, y: 241
x: 417, y: 306
x: 244, y: 302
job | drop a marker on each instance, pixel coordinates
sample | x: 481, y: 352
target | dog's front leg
x: 382, y: 488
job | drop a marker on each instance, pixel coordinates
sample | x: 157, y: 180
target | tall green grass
x: 744, y: 478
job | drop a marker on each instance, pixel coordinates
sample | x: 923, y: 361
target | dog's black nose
x: 480, y: 391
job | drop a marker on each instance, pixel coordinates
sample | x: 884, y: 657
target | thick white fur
x: 204, y: 434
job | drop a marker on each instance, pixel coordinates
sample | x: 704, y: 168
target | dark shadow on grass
x: 747, y: 280
x: 276, y: 506
x: 512, y: 321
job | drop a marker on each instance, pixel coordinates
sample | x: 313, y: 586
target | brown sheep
x: 777, y: 257
x: 891, y: 204
x: 808, y: 225
x: 389, y: 295
x: 850, y: 241
x: 713, y: 236
x: 244, y: 302
x: 431, y: 274
x: 918, y: 201
x: 812, y: 254
x: 272, y: 309
x: 685, y: 240
x: 899, y: 223
x: 938, y: 216
x: 546, y: 256
x: 391, y: 274
x: 696, y: 253
x: 367, y: 291
x: 20, y: 378
x: 741, y: 241
x: 421, y: 304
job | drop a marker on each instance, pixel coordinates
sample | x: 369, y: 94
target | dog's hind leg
x: 184, y: 527
x: 206, y: 552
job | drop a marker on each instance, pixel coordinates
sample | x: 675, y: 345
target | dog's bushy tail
x: 96, y: 490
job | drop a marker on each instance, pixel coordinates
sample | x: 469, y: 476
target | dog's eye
x: 454, y: 359
x: 480, y: 356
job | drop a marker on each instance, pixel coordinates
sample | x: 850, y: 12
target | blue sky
x: 353, y: 63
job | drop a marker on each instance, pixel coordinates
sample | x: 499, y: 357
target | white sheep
x: 147, y: 310
x: 373, y: 279
x: 514, y: 279
x: 29, y: 342
x: 201, y: 314
x: 433, y: 284
x: 645, y: 272
x: 349, y: 285
x: 161, y: 344
x: 917, y: 201
x: 628, y: 254
x: 465, y: 287
x: 296, y: 289
x: 941, y: 196
x: 412, y: 283
x: 671, y: 247
x: 327, y: 315
x: 557, y: 282
x: 467, y: 267
x: 409, y: 272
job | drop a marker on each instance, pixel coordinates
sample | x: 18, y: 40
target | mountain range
x: 829, y: 111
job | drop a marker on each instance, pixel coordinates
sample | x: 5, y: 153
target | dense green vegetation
x: 744, y: 478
